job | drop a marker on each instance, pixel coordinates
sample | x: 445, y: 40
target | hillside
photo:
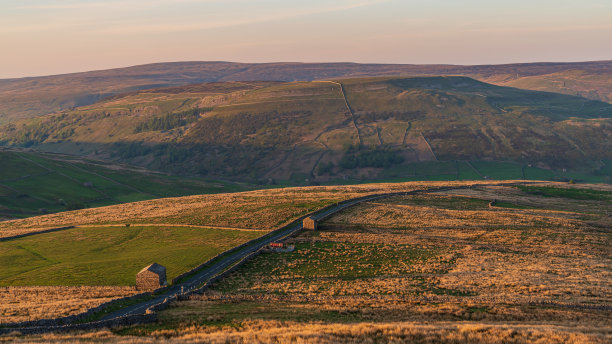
x: 484, y: 262
x: 371, y: 128
x: 33, y: 183
x: 35, y: 96
x: 581, y: 82
x: 180, y: 232
x: 100, y: 234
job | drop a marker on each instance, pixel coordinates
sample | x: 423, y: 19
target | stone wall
x: 50, y: 230
x: 86, y: 326
x: 148, y: 280
x: 69, y: 323
x: 70, y: 319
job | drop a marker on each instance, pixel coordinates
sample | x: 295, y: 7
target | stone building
x: 310, y: 223
x: 151, y: 277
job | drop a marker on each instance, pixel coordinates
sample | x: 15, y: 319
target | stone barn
x: 310, y: 223
x: 151, y: 277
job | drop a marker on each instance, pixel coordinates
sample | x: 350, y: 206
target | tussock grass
x: 33, y: 303
x: 261, y: 209
x: 443, y: 268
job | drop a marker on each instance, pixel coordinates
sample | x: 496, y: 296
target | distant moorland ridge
x: 35, y: 96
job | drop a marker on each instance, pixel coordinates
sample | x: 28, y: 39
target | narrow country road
x: 227, y: 261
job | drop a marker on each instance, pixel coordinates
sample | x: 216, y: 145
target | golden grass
x: 477, y: 275
x: 384, y: 215
x: 367, y: 332
x: 261, y: 209
x: 494, y: 275
x: 34, y: 303
x: 510, y: 194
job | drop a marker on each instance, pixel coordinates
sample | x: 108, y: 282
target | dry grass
x: 514, y: 195
x: 262, y: 209
x: 440, y: 268
x: 34, y: 303
x: 395, y: 332
x: 480, y: 274
x: 385, y: 215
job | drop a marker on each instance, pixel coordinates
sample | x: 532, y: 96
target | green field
x: 476, y: 170
x: 499, y: 170
x: 36, y: 183
x: 466, y: 172
x: 110, y: 255
x: 573, y: 193
x: 538, y: 173
x: 479, y: 170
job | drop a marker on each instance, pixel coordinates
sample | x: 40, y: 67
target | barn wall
x: 148, y: 280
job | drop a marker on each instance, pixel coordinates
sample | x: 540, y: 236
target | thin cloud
x: 103, y: 4
x: 81, y: 24
x: 71, y: 6
x: 206, y: 25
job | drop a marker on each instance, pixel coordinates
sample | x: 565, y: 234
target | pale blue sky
x: 40, y: 37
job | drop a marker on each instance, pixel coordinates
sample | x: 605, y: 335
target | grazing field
x: 33, y: 183
x: 172, y: 233
x: 33, y: 303
x: 110, y: 255
x: 497, y: 170
x: 448, y: 267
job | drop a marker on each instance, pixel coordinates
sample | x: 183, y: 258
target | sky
x: 44, y: 37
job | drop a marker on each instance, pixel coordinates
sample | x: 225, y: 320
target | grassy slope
x: 287, y: 131
x: 101, y: 254
x: 260, y: 209
x: 98, y: 252
x: 31, y: 183
x: 587, y: 84
x: 110, y: 255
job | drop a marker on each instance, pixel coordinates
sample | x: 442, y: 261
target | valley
x: 349, y: 130
x: 373, y: 171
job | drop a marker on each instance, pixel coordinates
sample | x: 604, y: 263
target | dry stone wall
x: 71, y: 323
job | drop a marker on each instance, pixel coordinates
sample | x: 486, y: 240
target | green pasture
x: 34, y: 184
x: 110, y: 255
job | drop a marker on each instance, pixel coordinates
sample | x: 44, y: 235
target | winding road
x: 225, y: 261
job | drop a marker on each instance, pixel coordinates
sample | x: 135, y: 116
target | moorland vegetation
x: 299, y: 133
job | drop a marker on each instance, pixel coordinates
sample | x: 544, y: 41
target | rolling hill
x: 33, y: 183
x: 35, y: 96
x: 436, y: 259
x: 331, y: 131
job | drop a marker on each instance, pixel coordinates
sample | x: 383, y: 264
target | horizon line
x: 301, y: 62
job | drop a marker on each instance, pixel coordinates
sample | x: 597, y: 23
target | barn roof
x: 156, y: 268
